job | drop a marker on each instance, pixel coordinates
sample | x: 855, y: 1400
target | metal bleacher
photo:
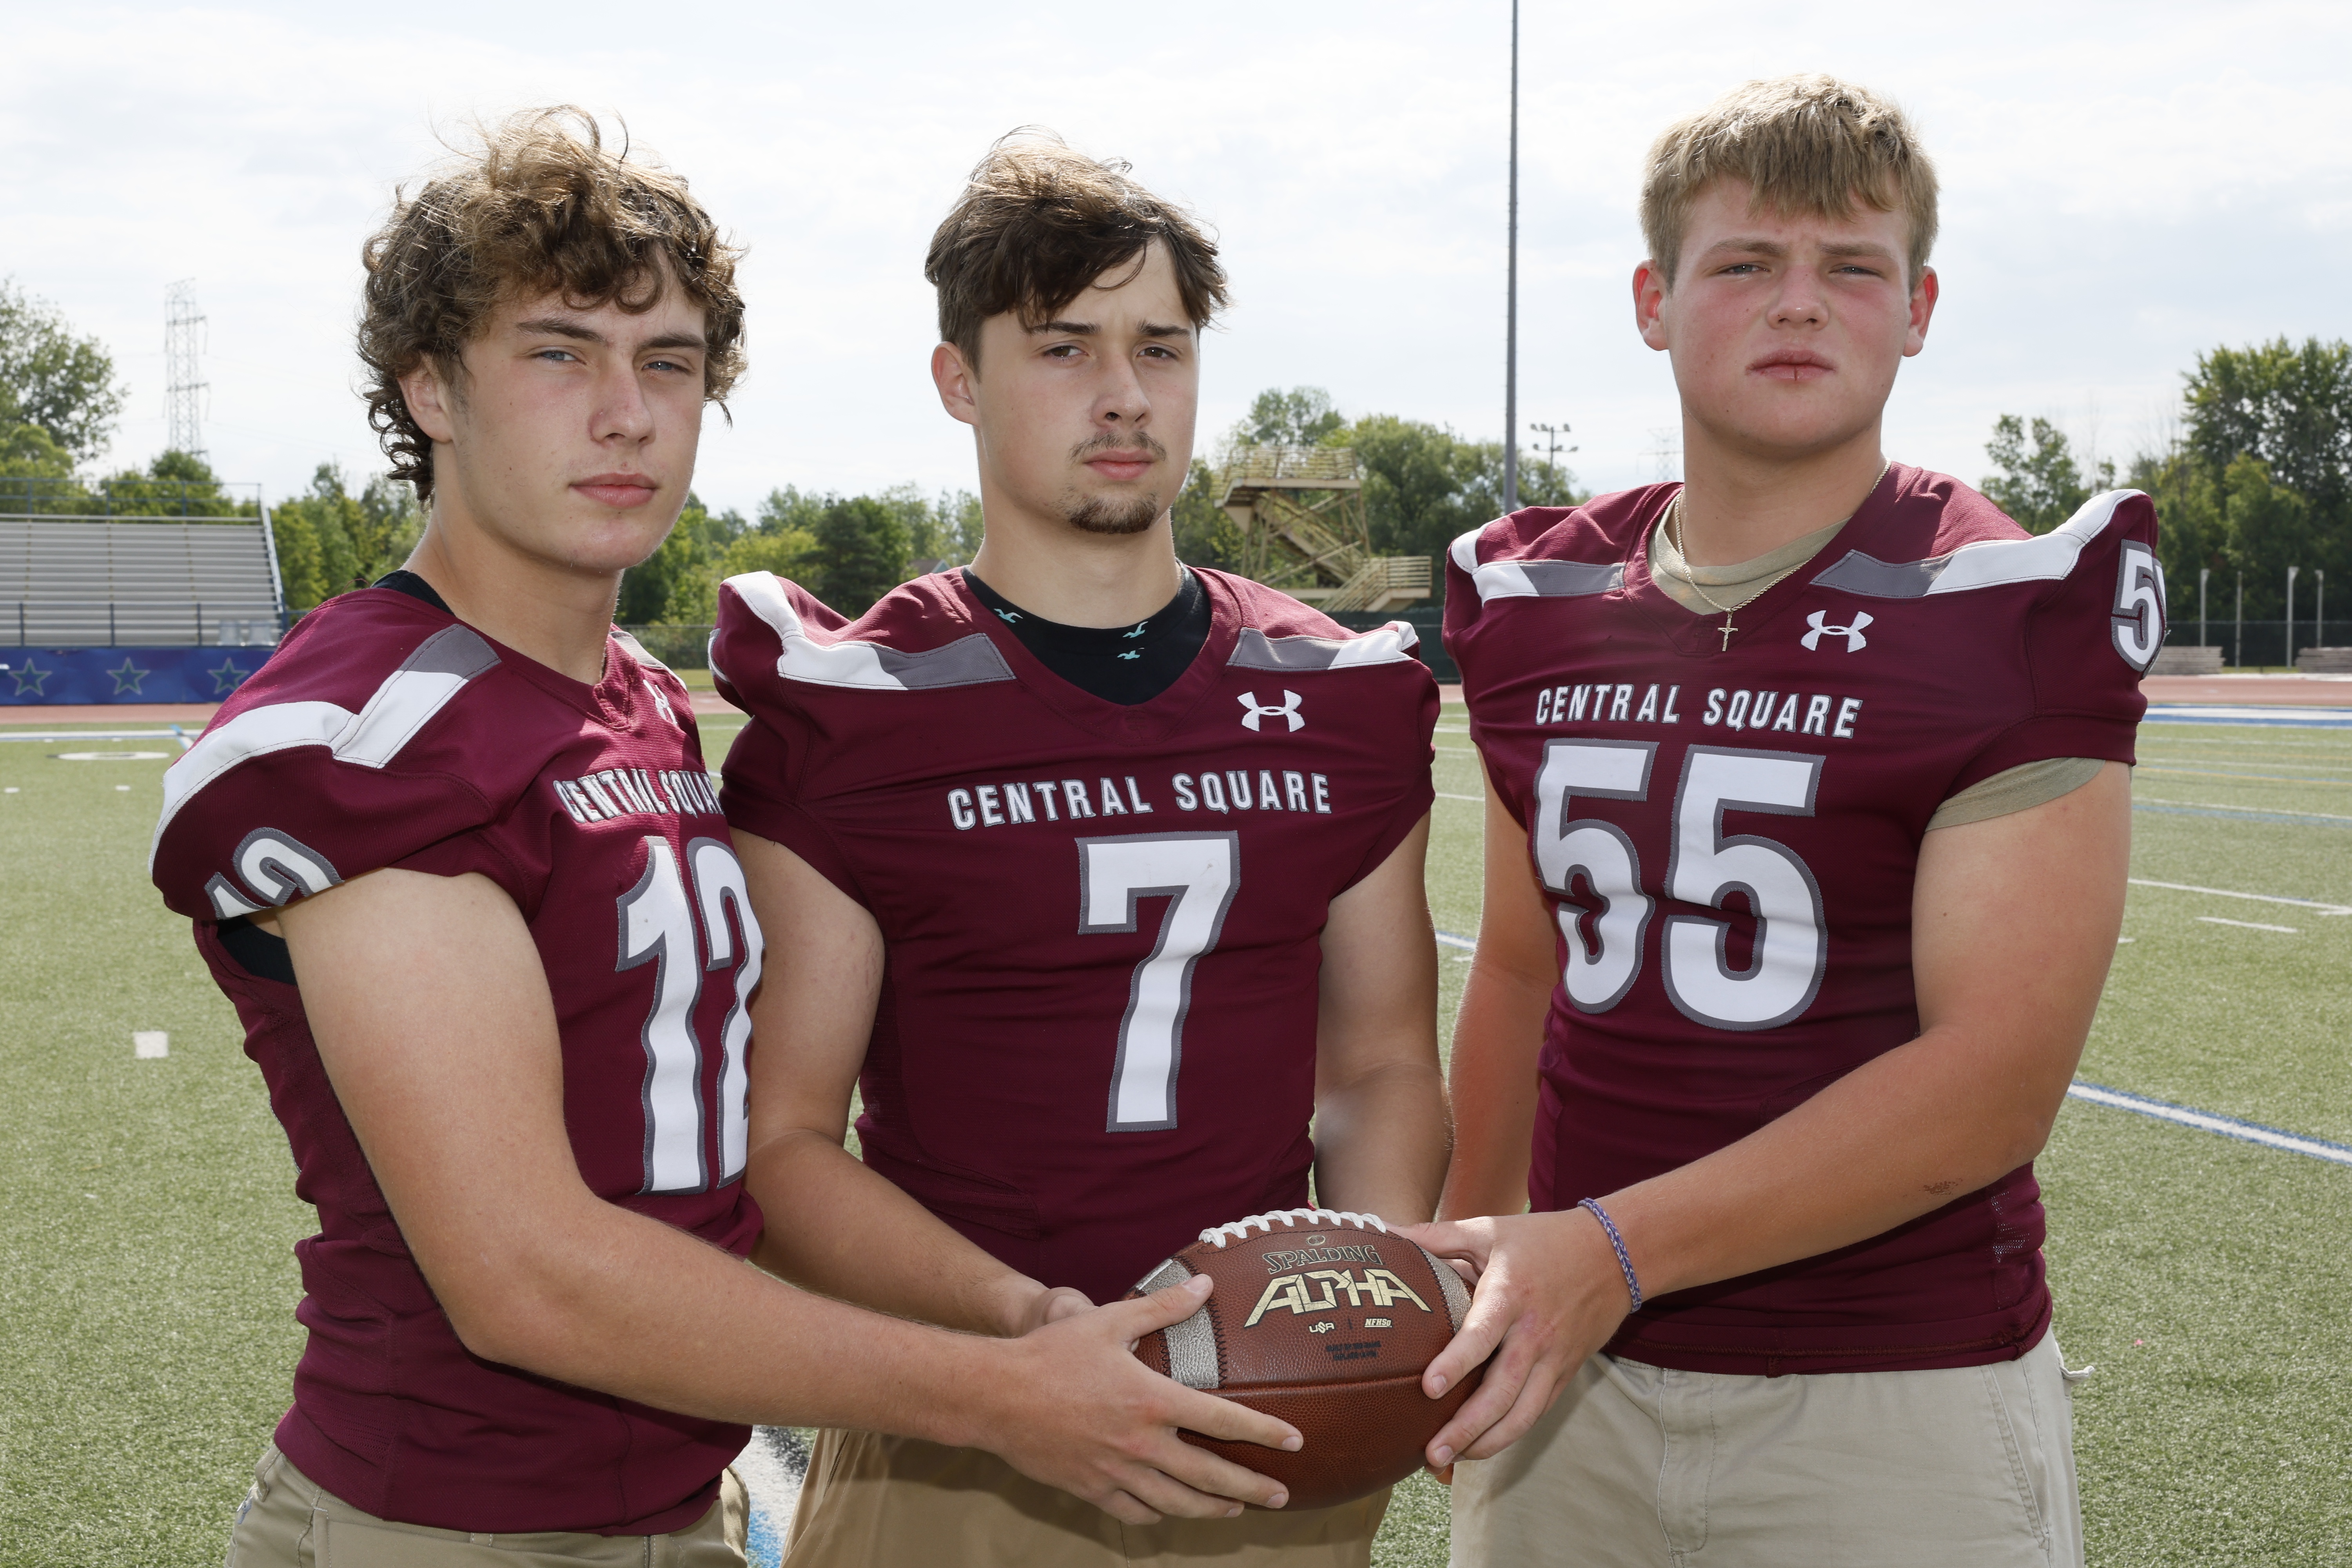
x: 136, y: 582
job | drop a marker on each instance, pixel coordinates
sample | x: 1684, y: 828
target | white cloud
x: 2125, y: 186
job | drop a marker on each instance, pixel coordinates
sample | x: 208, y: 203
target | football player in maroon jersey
x: 1806, y: 837
x: 1100, y: 874
x: 455, y: 857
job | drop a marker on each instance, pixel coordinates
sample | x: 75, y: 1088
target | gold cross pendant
x: 1726, y: 630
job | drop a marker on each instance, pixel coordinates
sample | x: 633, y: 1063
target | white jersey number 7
x: 1197, y: 873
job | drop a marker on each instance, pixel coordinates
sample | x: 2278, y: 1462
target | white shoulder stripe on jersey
x: 1464, y: 550
x: 1390, y: 643
x: 1989, y: 563
x: 869, y: 666
x: 409, y: 697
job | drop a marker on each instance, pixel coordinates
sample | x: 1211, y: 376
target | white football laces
x: 1290, y: 1219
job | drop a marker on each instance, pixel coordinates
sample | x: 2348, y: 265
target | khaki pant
x: 1641, y: 1466
x: 288, y: 1520
x: 874, y: 1501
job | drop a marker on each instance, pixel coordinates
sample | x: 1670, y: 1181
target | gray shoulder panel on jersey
x: 1988, y: 563
x: 1390, y: 643
x: 1547, y: 579
x: 425, y: 682
x: 635, y: 649
x: 866, y: 665
x: 1533, y: 579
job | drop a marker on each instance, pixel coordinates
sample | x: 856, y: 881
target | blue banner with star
x: 43, y: 675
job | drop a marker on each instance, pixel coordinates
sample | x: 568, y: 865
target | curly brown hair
x: 540, y: 207
x: 1038, y: 222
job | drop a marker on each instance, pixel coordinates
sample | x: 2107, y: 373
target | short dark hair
x: 1808, y: 143
x: 540, y: 207
x: 1038, y: 222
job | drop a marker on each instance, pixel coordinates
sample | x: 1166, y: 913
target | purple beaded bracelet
x: 1633, y: 1286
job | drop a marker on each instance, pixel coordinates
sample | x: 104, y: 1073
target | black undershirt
x: 258, y: 951
x: 1127, y: 665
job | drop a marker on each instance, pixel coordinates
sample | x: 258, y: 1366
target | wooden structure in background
x: 1301, y: 514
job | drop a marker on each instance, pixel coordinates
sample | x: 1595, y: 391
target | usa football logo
x: 1255, y: 714
x: 1854, y: 641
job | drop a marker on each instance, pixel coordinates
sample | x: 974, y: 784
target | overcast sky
x: 2125, y: 186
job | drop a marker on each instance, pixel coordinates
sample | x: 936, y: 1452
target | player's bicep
x: 1378, y: 991
x: 433, y: 1017
x: 2014, y: 921
x: 814, y: 1013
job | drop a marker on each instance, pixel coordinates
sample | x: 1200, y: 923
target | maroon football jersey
x: 384, y: 732
x: 1729, y: 838
x: 1097, y: 1028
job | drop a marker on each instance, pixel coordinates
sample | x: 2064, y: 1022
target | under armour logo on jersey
x: 1854, y: 641
x: 1288, y: 711
x: 661, y: 703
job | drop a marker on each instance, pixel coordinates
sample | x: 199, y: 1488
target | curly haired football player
x: 455, y: 857
x: 1806, y: 839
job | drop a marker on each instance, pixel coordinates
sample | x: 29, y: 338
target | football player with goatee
x: 1806, y: 842
x: 1099, y: 874
x: 455, y: 857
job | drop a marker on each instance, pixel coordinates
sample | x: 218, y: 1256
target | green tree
x: 2040, y: 485
x: 1205, y: 536
x: 2260, y: 478
x: 316, y: 556
x: 173, y: 484
x: 53, y: 379
x: 678, y: 583
x: 1301, y: 416
x: 36, y: 475
x: 861, y: 554
x: 786, y: 551
x: 1424, y: 485
x: 2290, y: 407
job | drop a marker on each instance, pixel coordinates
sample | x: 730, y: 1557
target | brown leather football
x: 1327, y: 1320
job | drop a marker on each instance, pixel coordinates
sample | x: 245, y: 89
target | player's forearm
x: 1899, y: 1137
x: 629, y: 1306
x: 1380, y: 1143
x: 1497, y: 1039
x: 837, y: 1226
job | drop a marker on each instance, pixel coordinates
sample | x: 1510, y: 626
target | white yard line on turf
x: 2313, y: 905
x: 1472, y: 799
x: 2266, y: 718
x: 2251, y: 810
x: 1450, y: 940
x: 2229, y: 1127
x: 2249, y: 925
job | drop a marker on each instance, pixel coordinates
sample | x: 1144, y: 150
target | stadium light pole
x: 2238, y: 637
x: 1511, y: 299
x: 2203, y: 573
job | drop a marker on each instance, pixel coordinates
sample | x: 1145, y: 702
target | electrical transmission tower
x: 183, y: 409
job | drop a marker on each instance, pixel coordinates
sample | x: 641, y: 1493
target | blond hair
x: 1810, y: 144
x: 1038, y: 222
x: 540, y: 207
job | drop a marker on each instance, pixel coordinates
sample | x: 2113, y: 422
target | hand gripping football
x: 1326, y: 1321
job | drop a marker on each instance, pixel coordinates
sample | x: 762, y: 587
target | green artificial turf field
x: 147, y: 1213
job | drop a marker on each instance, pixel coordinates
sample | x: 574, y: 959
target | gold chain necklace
x: 1674, y: 536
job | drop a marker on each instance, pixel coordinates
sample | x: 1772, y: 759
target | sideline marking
x: 2266, y: 718
x: 2313, y: 905
x: 102, y: 735
x: 2205, y: 1122
x: 1474, y: 799
x: 150, y: 1045
x: 1450, y: 940
x: 2249, y: 925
